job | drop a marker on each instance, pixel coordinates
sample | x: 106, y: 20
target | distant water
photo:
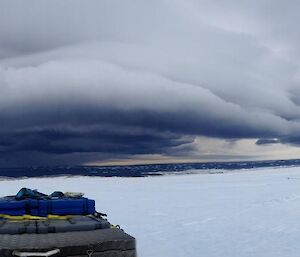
x: 142, y: 170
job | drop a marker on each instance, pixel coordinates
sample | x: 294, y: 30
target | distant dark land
x: 143, y: 170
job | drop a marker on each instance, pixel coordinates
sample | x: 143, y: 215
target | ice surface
x: 239, y: 214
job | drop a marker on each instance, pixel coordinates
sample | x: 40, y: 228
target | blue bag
x: 34, y: 203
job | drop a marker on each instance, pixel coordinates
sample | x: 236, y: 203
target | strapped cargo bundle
x: 35, y: 224
x: 32, y: 202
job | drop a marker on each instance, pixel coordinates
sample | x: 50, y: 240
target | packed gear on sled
x: 59, y: 224
x: 34, y: 203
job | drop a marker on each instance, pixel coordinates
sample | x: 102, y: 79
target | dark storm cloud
x: 96, y: 140
x: 91, y: 80
x: 292, y: 140
x: 267, y: 141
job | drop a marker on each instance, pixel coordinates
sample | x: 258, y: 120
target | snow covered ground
x: 237, y: 214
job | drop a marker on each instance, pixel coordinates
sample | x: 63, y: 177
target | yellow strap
x: 30, y: 217
x: 59, y: 217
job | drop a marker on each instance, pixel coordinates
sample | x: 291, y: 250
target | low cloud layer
x: 94, y: 81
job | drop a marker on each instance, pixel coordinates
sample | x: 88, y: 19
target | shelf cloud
x: 100, y: 80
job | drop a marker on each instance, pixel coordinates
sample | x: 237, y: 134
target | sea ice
x: 235, y: 214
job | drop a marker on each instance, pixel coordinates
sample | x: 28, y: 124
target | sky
x: 113, y: 81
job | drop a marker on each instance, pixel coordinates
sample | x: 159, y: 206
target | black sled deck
x: 111, y: 242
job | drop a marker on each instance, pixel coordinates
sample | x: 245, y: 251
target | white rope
x: 41, y: 254
x: 89, y: 253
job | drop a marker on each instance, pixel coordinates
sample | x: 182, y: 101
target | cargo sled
x: 34, y: 224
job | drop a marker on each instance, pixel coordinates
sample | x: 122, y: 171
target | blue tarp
x: 47, y: 205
